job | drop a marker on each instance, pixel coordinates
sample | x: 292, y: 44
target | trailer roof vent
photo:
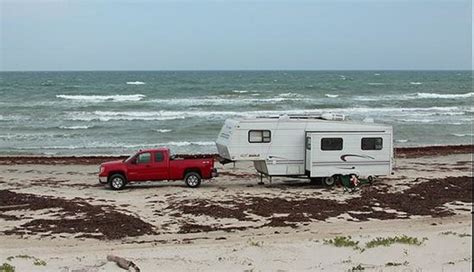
x: 333, y: 116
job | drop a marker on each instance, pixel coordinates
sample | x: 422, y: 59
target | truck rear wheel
x: 192, y: 179
x: 117, y: 182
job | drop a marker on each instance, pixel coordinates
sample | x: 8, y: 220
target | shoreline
x: 400, y: 152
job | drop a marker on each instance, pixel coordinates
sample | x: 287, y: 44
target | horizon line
x: 246, y: 70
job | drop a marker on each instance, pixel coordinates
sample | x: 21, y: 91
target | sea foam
x: 74, y: 127
x: 444, y: 96
x: 221, y: 115
x: 102, y: 98
x: 135, y: 82
x: 414, y: 96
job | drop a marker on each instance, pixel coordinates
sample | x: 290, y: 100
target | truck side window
x: 260, y: 136
x: 144, y: 158
x: 331, y: 144
x: 159, y: 157
x: 371, y: 143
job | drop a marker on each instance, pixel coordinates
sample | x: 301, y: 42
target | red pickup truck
x: 157, y: 164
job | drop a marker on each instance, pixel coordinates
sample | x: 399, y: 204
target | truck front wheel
x: 117, y: 182
x: 192, y: 179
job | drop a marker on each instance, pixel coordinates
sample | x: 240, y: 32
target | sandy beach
x: 55, y: 216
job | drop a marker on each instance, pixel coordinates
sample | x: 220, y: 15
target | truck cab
x: 156, y: 165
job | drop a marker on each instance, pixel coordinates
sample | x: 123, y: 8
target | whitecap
x: 163, y: 130
x: 417, y: 120
x: 413, y: 96
x: 74, y: 127
x: 291, y: 95
x: 103, y: 145
x: 462, y: 135
x: 415, y: 83
x: 240, y: 91
x: 332, y: 95
x: 376, y: 84
x: 106, y: 116
x: 444, y: 96
x: 197, y: 101
x: 135, y: 82
x: 220, y: 115
x: 102, y: 98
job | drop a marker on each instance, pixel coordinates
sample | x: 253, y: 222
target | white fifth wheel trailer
x: 322, y: 146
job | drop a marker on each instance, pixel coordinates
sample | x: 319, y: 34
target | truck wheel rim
x: 117, y: 182
x: 192, y: 180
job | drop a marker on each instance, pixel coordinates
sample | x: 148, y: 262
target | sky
x: 235, y: 35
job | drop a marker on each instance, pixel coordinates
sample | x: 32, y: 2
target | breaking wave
x: 462, y: 134
x: 102, y: 98
x: 414, y: 96
x: 74, y: 127
x: 135, y: 82
x: 105, y: 116
x: 332, y: 95
x: 196, y: 101
x: 444, y: 96
x: 102, y: 145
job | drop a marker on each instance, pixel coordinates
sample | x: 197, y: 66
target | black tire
x: 192, y: 179
x: 371, y: 179
x: 329, y: 181
x: 117, y: 182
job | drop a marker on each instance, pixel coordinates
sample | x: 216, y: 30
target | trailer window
x: 260, y: 136
x: 144, y: 158
x: 158, y: 156
x: 331, y: 144
x: 371, y: 143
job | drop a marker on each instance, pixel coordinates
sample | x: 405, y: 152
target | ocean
x: 92, y: 113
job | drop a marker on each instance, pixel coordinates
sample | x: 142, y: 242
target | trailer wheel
x: 370, y: 179
x: 329, y: 181
x: 192, y: 179
x: 117, y: 182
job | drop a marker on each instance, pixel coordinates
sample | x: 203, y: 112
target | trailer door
x: 307, y: 147
x: 325, y: 153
